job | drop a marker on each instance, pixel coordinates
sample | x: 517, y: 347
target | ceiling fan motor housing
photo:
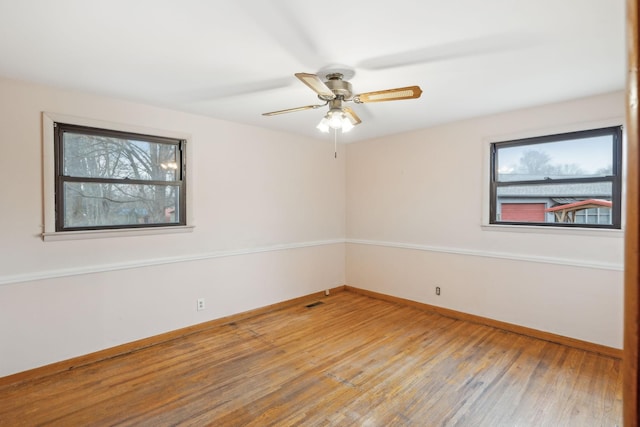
x: 341, y: 88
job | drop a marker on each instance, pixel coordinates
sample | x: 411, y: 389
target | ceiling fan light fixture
x: 323, y: 126
x: 346, y: 125
x: 335, y: 119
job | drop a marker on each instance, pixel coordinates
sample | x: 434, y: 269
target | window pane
x: 601, y: 215
x: 90, y: 156
x: 574, y: 158
x: 584, y: 203
x: 106, y: 204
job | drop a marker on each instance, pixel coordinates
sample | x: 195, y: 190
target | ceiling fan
x: 336, y: 91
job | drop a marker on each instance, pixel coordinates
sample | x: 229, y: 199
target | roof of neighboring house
x: 591, y: 190
x: 584, y: 204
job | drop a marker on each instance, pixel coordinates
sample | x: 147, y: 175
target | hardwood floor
x: 352, y: 360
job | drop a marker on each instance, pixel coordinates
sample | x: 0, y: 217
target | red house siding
x: 523, y: 212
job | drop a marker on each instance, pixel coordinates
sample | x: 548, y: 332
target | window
x: 564, y: 180
x: 108, y: 179
x: 594, y: 216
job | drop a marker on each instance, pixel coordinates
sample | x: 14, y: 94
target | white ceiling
x: 235, y: 59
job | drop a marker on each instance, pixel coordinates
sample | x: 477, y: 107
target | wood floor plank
x: 351, y: 360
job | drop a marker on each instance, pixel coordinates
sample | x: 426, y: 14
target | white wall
x: 269, y: 212
x: 414, y: 221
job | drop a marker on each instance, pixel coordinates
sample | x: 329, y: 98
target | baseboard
x: 521, y: 330
x: 137, y: 345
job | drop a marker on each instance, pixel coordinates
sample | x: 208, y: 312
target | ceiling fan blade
x: 292, y: 110
x: 409, y: 92
x: 280, y: 22
x: 231, y: 90
x: 492, y: 43
x: 355, y: 120
x: 316, y: 85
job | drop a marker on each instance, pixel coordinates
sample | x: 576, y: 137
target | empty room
x: 279, y: 213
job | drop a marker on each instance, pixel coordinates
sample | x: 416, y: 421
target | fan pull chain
x: 335, y: 143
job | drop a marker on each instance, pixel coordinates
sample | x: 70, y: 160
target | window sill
x: 594, y: 232
x: 99, y: 234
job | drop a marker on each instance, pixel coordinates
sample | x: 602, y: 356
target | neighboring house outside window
x: 566, y: 180
x: 590, y: 211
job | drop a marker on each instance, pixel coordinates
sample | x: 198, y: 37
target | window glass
x: 90, y: 204
x: 110, y: 157
x: 581, y: 157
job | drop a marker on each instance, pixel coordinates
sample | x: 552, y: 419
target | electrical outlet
x: 437, y: 290
x: 200, y: 305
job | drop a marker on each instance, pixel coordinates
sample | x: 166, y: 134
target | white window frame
x: 49, y: 232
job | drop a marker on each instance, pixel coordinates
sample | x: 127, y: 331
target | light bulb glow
x: 323, y: 126
x: 335, y: 119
